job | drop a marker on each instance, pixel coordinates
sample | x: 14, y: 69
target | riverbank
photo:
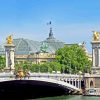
x: 69, y: 97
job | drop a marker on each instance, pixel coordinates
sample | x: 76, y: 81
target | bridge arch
x: 27, y: 89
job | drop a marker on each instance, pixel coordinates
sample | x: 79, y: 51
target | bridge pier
x: 10, y: 49
x: 89, y: 81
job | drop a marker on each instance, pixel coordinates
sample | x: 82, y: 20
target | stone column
x: 78, y: 84
x: 9, y: 49
x: 95, y: 57
x: 75, y: 82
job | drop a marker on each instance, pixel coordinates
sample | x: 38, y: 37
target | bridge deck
x: 51, y: 78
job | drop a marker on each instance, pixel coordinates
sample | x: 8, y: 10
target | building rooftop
x: 26, y: 46
x: 52, y: 43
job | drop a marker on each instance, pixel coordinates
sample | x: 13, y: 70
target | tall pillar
x: 78, y: 84
x: 9, y: 49
x: 75, y: 82
x: 95, y: 57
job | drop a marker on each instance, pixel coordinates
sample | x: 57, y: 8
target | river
x: 70, y: 97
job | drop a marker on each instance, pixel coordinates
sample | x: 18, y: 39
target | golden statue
x: 9, y: 40
x: 20, y: 73
x: 96, y: 36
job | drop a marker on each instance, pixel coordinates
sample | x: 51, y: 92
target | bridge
x: 68, y: 81
x: 45, y: 84
x: 38, y: 85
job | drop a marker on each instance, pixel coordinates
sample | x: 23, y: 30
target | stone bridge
x: 71, y: 82
x: 38, y: 82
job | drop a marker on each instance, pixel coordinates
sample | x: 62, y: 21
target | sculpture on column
x: 96, y: 53
x: 9, y: 39
x: 96, y: 36
x: 9, y: 49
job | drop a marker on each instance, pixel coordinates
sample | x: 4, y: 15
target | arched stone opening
x: 91, y: 84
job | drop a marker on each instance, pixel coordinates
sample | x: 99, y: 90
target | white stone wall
x: 9, y: 49
x: 95, y: 56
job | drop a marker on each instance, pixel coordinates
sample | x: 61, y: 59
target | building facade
x: 37, y: 52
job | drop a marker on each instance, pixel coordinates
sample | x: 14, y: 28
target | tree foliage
x: 43, y: 68
x: 2, y: 62
x: 73, y: 59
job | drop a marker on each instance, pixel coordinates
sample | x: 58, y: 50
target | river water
x: 70, y: 97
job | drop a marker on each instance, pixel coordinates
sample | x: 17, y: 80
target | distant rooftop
x: 53, y: 43
x: 26, y: 46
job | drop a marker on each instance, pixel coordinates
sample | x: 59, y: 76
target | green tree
x: 23, y: 65
x: 55, y: 66
x: 73, y: 59
x: 2, y: 62
x: 44, y: 68
x: 35, y: 68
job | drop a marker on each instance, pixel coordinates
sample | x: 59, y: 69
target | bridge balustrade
x: 72, y: 80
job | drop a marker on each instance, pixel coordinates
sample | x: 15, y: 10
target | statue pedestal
x: 9, y: 49
x: 7, y: 70
x: 95, y: 57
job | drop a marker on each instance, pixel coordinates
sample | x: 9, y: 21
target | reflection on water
x: 70, y: 97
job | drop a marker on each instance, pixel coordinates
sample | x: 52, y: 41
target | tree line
x: 69, y: 59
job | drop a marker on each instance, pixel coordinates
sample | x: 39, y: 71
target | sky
x: 72, y: 20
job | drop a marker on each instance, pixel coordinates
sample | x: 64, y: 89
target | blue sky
x: 72, y: 20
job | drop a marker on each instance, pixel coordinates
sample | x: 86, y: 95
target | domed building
x: 34, y: 51
x: 25, y: 46
x: 52, y: 43
x: 37, y: 52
